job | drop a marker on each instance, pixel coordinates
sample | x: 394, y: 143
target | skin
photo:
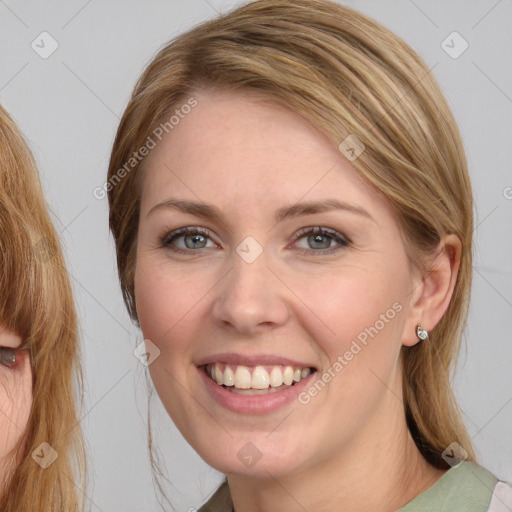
x: 349, y: 447
x: 15, y: 401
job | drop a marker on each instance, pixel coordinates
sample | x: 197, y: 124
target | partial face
x: 279, y: 325
x: 15, y: 397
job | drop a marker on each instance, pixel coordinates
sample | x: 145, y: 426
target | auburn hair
x: 36, y: 302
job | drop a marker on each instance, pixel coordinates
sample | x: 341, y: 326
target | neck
x: 380, y: 471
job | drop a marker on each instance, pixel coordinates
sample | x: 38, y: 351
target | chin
x: 251, y: 455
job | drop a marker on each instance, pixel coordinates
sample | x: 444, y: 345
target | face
x: 15, y: 396
x: 291, y: 288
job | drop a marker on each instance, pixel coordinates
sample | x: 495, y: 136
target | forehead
x: 241, y: 148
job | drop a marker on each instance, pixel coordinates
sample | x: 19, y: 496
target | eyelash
x: 169, y: 238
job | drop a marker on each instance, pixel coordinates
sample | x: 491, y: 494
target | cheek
x: 166, y: 303
x: 355, y: 317
x: 354, y: 303
x: 15, y: 403
x: 168, y: 307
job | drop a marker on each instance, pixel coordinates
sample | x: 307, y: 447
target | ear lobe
x: 434, y: 292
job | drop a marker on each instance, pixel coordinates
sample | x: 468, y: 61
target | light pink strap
x: 501, y: 500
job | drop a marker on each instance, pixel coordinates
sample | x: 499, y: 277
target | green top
x: 465, y: 488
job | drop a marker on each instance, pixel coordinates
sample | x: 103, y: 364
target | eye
x: 185, y: 240
x: 192, y: 239
x: 320, y: 240
x: 8, y: 356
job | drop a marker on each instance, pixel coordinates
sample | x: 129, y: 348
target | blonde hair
x: 36, y: 302
x: 348, y: 76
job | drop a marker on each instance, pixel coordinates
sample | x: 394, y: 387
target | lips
x: 254, y: 383
x: 253, y: 401
x: 252, y: 360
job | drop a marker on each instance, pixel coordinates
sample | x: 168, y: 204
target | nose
x: 250, y: 298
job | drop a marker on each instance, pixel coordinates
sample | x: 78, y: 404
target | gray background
x: 69, y: 104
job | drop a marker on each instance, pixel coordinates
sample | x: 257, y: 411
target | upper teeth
x: 261, y: 377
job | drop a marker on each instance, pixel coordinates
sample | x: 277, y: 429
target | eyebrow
x: 210, y: 211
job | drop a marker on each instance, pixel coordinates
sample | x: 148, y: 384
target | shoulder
x: 467, y: 487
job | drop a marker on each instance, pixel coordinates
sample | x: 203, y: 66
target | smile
x: 254, y: 384
x: 257, y: 379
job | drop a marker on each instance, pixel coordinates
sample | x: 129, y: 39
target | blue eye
x: 320, y: 240
x: 193, y: 239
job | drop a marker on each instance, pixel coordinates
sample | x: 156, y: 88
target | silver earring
x: 421, y: 333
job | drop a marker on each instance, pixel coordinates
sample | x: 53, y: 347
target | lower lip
x: 253, y: 404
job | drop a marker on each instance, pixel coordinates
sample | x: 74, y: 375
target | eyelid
x: 171, y: 235
x: 24, y: 346
x: 321, y: 230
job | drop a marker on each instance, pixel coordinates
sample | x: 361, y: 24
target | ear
x: 433, y: 289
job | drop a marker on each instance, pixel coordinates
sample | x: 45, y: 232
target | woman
x: 292, y: 214
x: 40, y: 438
